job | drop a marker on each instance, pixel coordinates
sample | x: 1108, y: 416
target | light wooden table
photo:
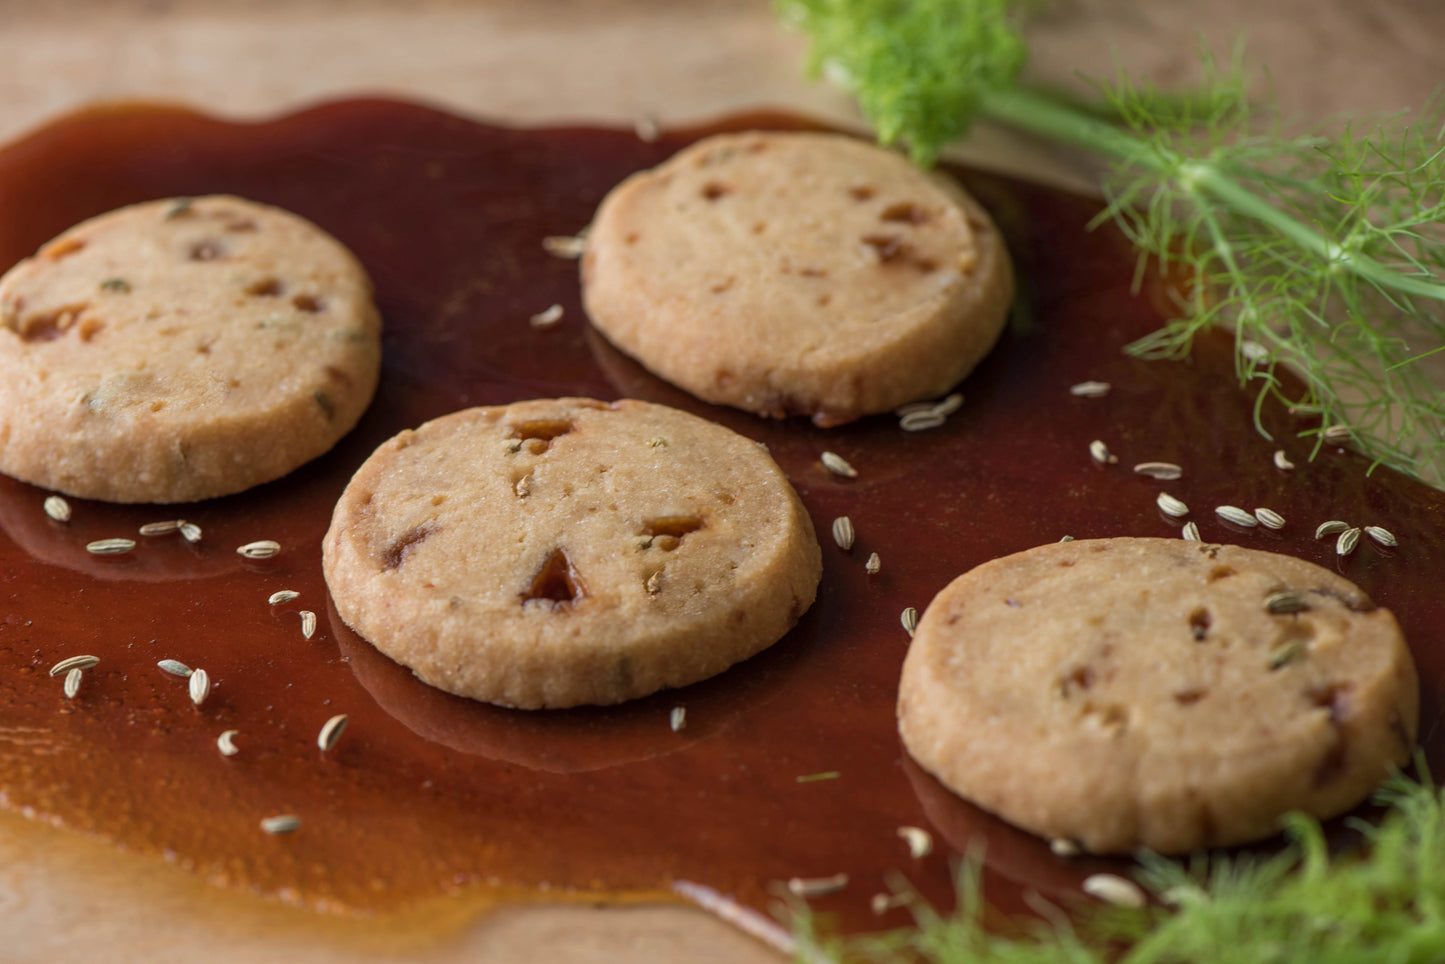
x: 64, y: 898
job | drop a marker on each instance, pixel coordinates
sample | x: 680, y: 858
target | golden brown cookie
x: 797, y: 273
x: 560, y: 552
x: 182, y: 349
x: 1157, y: 693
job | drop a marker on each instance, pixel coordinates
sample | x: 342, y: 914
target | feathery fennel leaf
x: 1381, y: 904
x: 1322, y: 251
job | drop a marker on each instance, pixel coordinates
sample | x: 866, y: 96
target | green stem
x: 1042, y: 116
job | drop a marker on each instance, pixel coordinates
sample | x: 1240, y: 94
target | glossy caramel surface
x: 427, y: 794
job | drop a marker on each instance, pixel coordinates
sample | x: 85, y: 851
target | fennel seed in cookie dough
x: 580, y: 588
x: 154, y: 359
x: 798, y: 273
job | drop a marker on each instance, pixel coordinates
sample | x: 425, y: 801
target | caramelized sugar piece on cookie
x: 182, y: 349
x: 797, y: 274
x: 1157, y: 693
x: 561, y: 552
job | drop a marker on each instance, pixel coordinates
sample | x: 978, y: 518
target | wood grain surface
x: 65, y: 898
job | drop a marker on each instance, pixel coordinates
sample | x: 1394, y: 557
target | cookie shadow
x: 580, y: 739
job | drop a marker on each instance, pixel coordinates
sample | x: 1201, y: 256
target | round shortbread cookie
x: 182, y: 349
x: 797, y: 273
x: 561, y: 552
x: 1157, y: 693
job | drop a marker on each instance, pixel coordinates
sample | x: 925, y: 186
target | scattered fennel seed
x: 1067, y: 539
x: 1064, y: 847
x: 816, y: 777
x: 1114, y: 889
x: 1282, y: 462
x: 175, y: 667
x: 72, y: 682
x: 1163, y: 471
x: 843, y: 533
x: 282, y: 596
x: 163, y: 528
x: 677, y: 719
x: 546, y: 318
x: 331, y: 732
x: 1190, y: 532
x: 565, y: 246
x: 190, y: 532
x: 646, y: 128
x: 200, y: 686
x: 73, y: 662
x: 1233, y: 513
x: 1330, y: 528
x: 57, y: 508
x: 308, y: 623
x: 816, y: 886
x: 283, y: 823
x: 909, y: 619
x: 883, y: 903
x: 1347, y: 541
x: 1269, y: 518
x: 921, y: 421
x: 874, y: 565
x: 1382, y: 536
x: 920, y: 841
x: 1253, y: 350
x: 110, y: 547
x: 260, y: 549
x: 1171, y: 506
x: 1100, y: 453
x: 1337, y: 435
x: 838, y: 465
x: 1090, y: 389
x: 950, y: 404
x: 226, y: 743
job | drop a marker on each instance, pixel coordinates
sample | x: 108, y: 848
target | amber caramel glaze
x: 427, y: 794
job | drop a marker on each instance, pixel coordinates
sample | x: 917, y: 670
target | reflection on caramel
x: 429, y: 794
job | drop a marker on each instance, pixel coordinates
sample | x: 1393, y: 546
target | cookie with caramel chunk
x: 1157, y: 693
x: 797, y: 274
x: 561, y: 552
x: 182, y: 349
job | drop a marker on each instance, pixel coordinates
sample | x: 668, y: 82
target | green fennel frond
x: 1322, y: 251
x: 918, y: 70
x: 1381, y: 904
